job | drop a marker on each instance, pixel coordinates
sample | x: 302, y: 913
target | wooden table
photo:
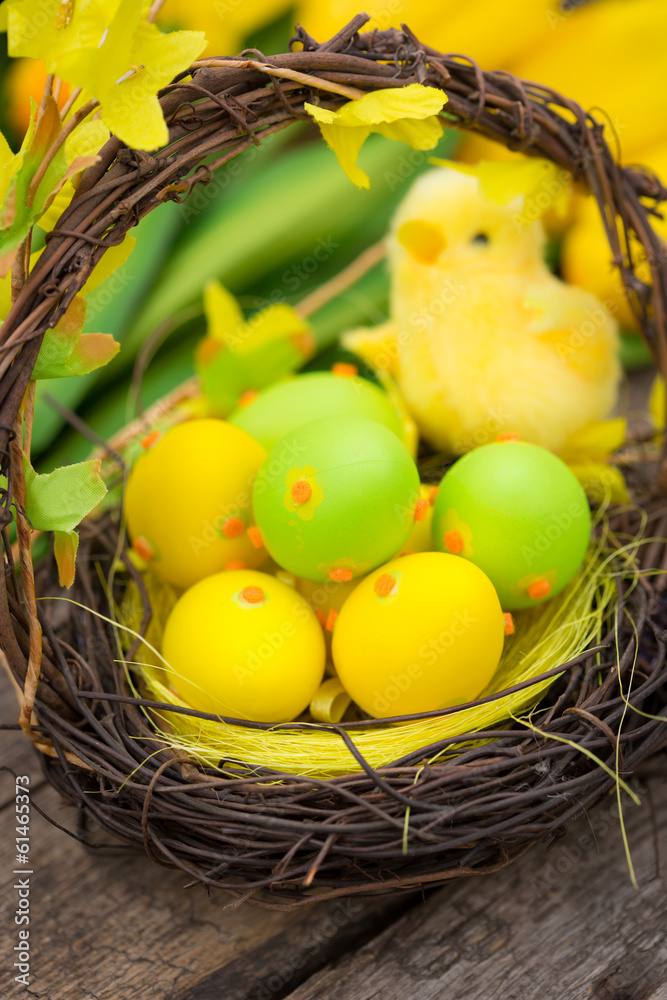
x: 563, y: 924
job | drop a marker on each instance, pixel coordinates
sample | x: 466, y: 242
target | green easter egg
x: 283, y: 407
x: 336, y: 498
x: 517, y: 512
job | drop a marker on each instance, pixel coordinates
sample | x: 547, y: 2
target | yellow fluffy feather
x: 483, y: 339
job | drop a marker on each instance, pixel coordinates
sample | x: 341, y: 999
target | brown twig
x: 285, y: 74
x: 345, y: 279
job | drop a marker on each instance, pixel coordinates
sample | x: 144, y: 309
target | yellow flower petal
x: 47, y: 29
x: 276, y: 322
x: 346, y: 143
x: 541, y: 183
x: 322, y: 116
x: 601, y: 481
x: 424, y: 134
x: 408, y: 114
x: 223, y: 315
x: 114, y: 258
x: 86, y: 140
x: 137, y: 119
x: 596, y: 441
x: 126, y: 71
x: 393, y: 104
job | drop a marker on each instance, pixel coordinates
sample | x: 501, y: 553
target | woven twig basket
x: 280, y: 839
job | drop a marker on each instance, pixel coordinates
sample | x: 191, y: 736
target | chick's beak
x: 423, y: 240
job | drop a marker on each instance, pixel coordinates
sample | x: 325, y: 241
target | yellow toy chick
x: 483, y: 339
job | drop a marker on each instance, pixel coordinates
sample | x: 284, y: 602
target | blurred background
x: 281, y: 219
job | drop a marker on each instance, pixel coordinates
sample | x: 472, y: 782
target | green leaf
x: 238, y: 355
x: 59, y: 357
x: 67, y: 351
x: 19, y: 212
x: 60, y: 500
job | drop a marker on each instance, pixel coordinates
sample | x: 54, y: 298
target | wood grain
x: 561, y: 926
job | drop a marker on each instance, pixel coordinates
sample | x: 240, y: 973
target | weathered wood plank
x: 559, y: 926
x: 280, y: 964
x: 114, y: 926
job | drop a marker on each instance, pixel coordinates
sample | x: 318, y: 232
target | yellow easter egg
x: 188, y: 501
x: 244, y: 645
x: 419, y: 634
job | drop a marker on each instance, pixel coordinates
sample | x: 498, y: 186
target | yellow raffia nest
x: 545, y: 638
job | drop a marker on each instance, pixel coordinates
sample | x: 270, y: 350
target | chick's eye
x: 481, y: 239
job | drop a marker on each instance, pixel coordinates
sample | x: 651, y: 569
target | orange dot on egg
x: 341, y: 574
x: 345, y: 369
x: 247, y: 397
x: 252, y: 595
x: 233, y: 527
x: 384, y: 585
x: 454, y: 542
x: 143, y: 548
x: 507, y: 436
x: 301, y: 491
x: 255, y: 536
x: 509, y: 623
x: 421, y: 508
x: 539, y: 589
x: 331, y: 620
x: 150, y: 440
x: 235, y: 564
x: 433, y: 492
